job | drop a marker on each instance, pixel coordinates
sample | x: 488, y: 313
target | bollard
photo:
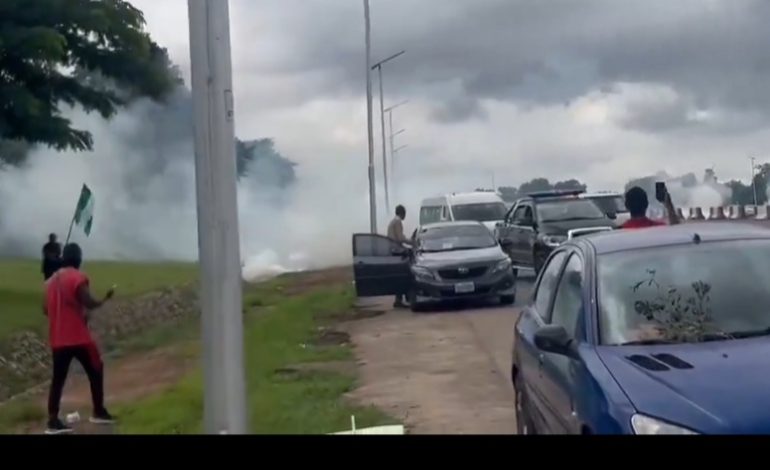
x: 696, y: 213
x: 737, y: 212
x: 716, y: 213
x: 680, y: 213
x: 762, y: 213
x: 749, y: 211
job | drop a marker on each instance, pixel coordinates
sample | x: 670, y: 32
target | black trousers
x: 88, y: 357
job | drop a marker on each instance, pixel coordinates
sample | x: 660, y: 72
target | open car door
x: 380, y: 266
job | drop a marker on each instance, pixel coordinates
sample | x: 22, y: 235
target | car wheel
x: 523, y: 421
x: 507, y: 299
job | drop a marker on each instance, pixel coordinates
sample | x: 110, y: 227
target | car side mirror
x: 554, y: 339
x: 506, y: 244
x: 612, y: 215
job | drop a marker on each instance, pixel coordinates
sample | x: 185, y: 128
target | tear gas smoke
x: 142, y: 175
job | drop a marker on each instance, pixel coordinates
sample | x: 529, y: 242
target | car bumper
x: 444, y: 290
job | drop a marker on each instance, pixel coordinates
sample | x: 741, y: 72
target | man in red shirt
x: 67, y: 304
x: 637, y: 204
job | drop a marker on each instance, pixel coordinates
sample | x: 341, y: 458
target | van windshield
x: 481, y: 212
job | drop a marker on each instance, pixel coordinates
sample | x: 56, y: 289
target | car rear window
x: 687, y: 293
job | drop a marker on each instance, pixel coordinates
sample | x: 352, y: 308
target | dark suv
x: 540, y: 222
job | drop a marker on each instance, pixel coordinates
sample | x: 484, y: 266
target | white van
x: 481, y: 206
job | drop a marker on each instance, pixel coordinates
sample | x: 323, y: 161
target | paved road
x: 441, y: 372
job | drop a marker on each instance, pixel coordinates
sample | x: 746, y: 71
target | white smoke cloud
x: 145, y: 201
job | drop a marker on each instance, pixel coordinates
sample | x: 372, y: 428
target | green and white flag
x: 84, y: 213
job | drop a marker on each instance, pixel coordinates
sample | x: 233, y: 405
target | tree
x: 742, y: 194
x: 508, y: 193
x: 537, y: 184
x: 569, y: 185
x: 49, y: 48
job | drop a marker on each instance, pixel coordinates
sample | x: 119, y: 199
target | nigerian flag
x: 84, y: 213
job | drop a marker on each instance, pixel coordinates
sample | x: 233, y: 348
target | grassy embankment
x: 285, y: 393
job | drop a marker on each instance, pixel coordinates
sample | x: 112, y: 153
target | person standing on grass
x: 68, y: 302
x: 396, y: 233
x: 51, y: 257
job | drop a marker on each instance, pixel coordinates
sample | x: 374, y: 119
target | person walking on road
x: 396, y: 233
x: 51, y: 257
x: 68, y: 302
x: 637, y: 204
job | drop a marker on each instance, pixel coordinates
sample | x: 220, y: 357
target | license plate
x: 465, y: 288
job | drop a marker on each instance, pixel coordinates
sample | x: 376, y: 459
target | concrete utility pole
x: 224, y: 400
x: 370, y: 126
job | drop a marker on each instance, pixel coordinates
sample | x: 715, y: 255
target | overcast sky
x: 599, y: 90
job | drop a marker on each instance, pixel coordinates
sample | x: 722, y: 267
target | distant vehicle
x: 660, y: 331
x: 449, y: 261
x: 542, y: 221
x: 480, y: 206
x: 613, y: 204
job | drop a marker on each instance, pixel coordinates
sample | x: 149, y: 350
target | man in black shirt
x: 51, y: 257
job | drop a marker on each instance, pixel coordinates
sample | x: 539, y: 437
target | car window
x: 568, y: 209
x: 375, y: 245
x: 547, y: 285
x: 569, y: 296
x: 430, y: 215
x: 480, y: 212
x: 685, y: 294
x: 523, y: 215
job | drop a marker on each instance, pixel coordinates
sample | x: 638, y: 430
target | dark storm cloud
x: 530, y: 52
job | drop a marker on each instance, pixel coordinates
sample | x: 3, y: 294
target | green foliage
x: 46, y: 48
x: 511, y: 193
x: 21, y: 287
x: 278, y: 337
x: 260, y: 159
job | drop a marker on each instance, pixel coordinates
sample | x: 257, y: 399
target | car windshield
x: 568, y: 209
x: 465, y: 237
x: 611, y: 204
x: 481, y: 212
x: 685, y: 294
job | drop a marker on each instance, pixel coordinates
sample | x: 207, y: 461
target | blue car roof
x: 624, y: 240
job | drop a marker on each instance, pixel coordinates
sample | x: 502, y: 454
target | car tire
x: 524, y: 424
x: 507, y: 299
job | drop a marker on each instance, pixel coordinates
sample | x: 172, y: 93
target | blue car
x: 663, y: 330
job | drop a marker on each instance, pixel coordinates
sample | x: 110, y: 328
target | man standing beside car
x: 396, y: 233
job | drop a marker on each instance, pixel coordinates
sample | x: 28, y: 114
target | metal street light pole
x: 753, y: 182
x: 392, y: 135
x: 378, y: 66
x: 370, y: 127
x: 224, y: 400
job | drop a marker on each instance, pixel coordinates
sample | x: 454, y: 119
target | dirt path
x: 440, y: 373
x: 126, y: 379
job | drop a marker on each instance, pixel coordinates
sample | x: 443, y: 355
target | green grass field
x: 21, y: 287
x: 278, y: 335
x: 281, y: 324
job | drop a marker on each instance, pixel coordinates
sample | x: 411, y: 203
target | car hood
x: 712, y: 388
x: 561, y: 228
x: 492, y: 224
x: 444, y: 258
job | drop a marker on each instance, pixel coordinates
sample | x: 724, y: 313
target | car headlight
x: 423, y: 273
x: 552, y: 241
x: 503, y: 265
x: 645, y: 425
